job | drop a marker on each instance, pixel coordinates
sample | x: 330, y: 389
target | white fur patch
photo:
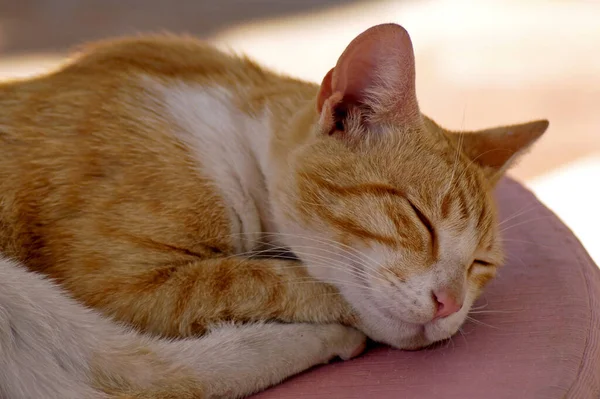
x: 229, y: 146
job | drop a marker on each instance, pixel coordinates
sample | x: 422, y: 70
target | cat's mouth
x: 410, y: 336
x: 418, y: 335
x: 388, y: 313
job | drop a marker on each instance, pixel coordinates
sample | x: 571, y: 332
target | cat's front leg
x: 236, y: 361
x: 258, y: 356
x: 189, y: 299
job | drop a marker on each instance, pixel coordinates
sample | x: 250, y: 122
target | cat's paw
x: 340, y: 341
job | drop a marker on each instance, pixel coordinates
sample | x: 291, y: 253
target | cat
x: 147, y: 175
x: 53, y: 347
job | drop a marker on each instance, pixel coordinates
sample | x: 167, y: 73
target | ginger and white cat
x: 147, y: 175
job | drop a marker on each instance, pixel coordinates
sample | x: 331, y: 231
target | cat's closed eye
x: 479, y: 262
x: 428, y: 225
x: 423, y: 219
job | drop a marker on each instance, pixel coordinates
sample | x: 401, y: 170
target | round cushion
x: 534, y: 334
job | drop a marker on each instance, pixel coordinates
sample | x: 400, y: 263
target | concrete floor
x: 479, y: 63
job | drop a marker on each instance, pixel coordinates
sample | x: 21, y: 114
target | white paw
x: 340, y: 341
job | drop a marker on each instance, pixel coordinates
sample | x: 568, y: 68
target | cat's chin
x: 416, y: 342
x: 425, y: 336
x: 394, y: 333
x: 405, y: 335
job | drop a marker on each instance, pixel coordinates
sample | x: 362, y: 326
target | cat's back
x: 113, y: 75
x: 89, y: 151
x: 113, y: 92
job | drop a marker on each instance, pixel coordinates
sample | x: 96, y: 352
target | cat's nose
x: 447, y: 303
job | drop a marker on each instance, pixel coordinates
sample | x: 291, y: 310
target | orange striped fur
x: 108, y: 184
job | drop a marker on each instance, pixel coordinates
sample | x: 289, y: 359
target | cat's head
x: 389, y: 207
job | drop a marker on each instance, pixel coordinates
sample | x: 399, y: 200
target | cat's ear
x: 377, y: 73
x: 495, y: 150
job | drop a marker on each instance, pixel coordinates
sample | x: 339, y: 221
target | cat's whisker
x: 455, y: 166
x: 464, y: 337
x: 451, y: 339
x: 345, y: 248
x: 269, y: 251
x: 335, y: 282
x: 522, y: 211
x: 525, y: 222
x: 350, y: 271
x: 279, y: 255
x: 347, y: 252
x: 480, y: 307
x: 343, y: 266
x: 299, y: 265
x: 352, y: 251
x: 348, y: 249
x: 251, y: 253
x: 493, y: 311
x: 525, y: 242
x: 512, y: 256
x: 481, y: 322
x: 350, y: 260
x: 473, y: 160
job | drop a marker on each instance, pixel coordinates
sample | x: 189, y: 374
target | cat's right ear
x: 495, y: 150
x: 376, y: 72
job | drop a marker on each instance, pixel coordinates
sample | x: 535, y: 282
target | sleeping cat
x: 147, y: 176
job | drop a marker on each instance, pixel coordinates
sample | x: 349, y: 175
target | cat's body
x: 142, y: 174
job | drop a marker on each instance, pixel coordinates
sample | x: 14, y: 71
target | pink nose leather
x: 446, y: 302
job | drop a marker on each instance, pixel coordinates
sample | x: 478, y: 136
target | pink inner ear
x: 325, y: 91
x: 377, y: 68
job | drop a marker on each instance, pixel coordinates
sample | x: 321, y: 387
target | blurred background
x: 479, y: 63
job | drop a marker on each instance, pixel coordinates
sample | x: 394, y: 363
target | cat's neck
x: 288, y: 120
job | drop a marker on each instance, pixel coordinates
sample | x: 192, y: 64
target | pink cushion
x: 540, y: 338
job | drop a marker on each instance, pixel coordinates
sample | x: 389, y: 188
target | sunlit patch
x: 25, y: 66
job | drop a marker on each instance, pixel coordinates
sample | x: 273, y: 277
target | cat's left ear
x: 375, y: 73
x: 495, y: 150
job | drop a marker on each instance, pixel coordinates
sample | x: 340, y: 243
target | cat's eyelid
x: 426, y: 222
x: 483, y: 263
